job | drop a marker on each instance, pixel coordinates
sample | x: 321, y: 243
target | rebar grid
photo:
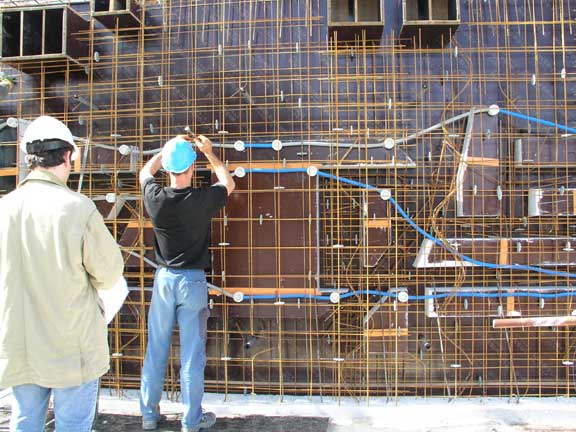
x: 322, y: 260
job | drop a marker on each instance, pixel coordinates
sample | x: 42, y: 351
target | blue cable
x: 436, y: 241
x: 537, y: 120
x: 256, y: 145
x: 347, y: 181
x: 405, y: 216
x: 473, y: 261
x: 275, y: 171
x: 385, y: 294
x: 285, y: 297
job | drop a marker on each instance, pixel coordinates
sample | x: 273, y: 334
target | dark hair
x: 47, y: 159
x: 183, y: 172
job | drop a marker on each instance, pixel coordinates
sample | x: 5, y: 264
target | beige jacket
x: 55, y: 252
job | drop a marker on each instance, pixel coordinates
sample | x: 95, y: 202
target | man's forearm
x: 151, y: 167
x: 221, y: 172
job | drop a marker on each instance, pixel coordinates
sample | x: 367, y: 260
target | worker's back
x: 54, y: 250
x: 181, y: 219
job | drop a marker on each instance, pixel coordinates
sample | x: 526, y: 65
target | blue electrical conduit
x: 417, y: 297
x: 537, y: 120
x: 438, y: 242
x: 405, y: 216
x: 257, y: 145
x: 493, y: 110
x: 402, y: 213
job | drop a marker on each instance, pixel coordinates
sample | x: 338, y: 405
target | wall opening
x: 431, y: 10
x: 355, y: 11
x: 10, y: 34
x: 369, y: 10
x: 54, y: 25
x: 443, y: 10
x: 8, y: 149
x: 109, y: 5
x: 120, y: 5
x: 417, y: 10
x: 101, y: 5
x: 33, y: 27
x: 342, y: 10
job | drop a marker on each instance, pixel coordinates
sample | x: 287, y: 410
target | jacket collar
x: 42, y: 175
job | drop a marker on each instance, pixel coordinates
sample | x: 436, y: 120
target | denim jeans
x: 180, y: 295
x: 74, y: 407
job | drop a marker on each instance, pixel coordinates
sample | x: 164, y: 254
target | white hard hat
x: 47, y: 133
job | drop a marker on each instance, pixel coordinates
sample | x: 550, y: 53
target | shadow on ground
x: 121, y: 423
x: 126, y: 423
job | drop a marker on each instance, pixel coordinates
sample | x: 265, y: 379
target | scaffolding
x: 405, y: 212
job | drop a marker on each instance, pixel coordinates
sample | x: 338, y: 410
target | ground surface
x: 120, y: 423
x: 238, y: 413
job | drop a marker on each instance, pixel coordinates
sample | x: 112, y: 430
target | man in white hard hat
x: 181, y: 217
x: 55, y: 254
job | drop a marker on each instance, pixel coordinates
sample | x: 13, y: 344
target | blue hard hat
x: 178, y: 155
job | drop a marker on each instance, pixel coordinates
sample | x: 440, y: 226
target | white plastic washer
x: 12, y: 122
x: 402, y: 296
x: 111, y: 197
x: 238, y: 296
x: 277, y: 145
x: 389, y: 143
x: 239, y: 145
x: 125, y: 149
x: 240, y: 172
x: 493, y: 110
x: 385, y: 194
x: 312, y: 170
x: 335, y: 297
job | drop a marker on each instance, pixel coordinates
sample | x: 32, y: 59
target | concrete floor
x: 238, y: 413
x: 131, y: 423
x: 124, y: 423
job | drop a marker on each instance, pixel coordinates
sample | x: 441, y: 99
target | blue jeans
x: 180, y: 295
x: 74, y: 407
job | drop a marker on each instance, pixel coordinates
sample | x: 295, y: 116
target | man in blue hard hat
x: 181, y: 217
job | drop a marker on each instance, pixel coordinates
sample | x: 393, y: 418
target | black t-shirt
x: 181, y: 220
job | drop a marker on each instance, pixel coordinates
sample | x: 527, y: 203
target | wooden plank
x: 510, y: 305
x: 269, y: 291
x: 481, y: 161
x: 552, y: 321
x: 504, y: 254
x: 379, y: 333
x: 264, y: 165
x: 136, y: 224
x: 504, y: 251
x: 378, y: 223
x: 7, y: 172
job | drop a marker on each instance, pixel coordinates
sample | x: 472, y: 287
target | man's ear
x: 68, y: 159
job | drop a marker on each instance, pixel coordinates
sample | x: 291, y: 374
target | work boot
x: 208, y: 419
x: 149, y: 424
x: 152, y: 424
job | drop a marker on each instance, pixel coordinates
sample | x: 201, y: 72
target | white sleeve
x: 113, y: 299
